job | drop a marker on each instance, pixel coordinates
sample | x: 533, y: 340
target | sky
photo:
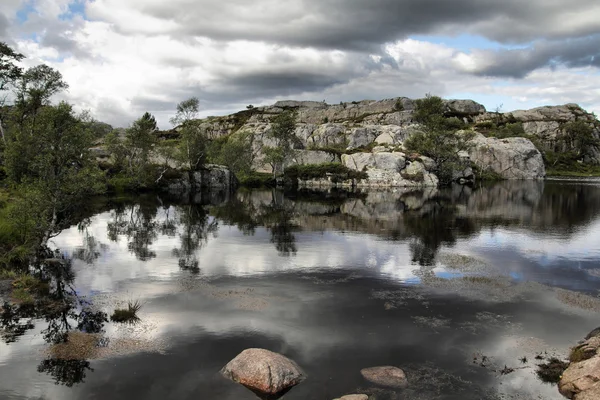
x: 124, y: 57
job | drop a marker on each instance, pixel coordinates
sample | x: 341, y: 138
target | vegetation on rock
x: 439, y: 138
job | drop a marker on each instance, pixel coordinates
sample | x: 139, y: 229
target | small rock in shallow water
x: 354, y: 397
x: 385, y: 376
x: 266, y: 373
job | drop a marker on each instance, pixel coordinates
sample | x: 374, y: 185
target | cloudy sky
x: 124, y: 57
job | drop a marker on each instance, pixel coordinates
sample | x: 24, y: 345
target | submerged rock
x: 353, y: 397
x: 386, y: 376
x: 269, y: 375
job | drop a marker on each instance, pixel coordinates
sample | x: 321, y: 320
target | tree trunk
x: 2, y: 132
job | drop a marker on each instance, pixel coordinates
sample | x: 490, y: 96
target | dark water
x: 451, y: 286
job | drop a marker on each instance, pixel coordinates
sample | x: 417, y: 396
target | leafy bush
x: 337, y: 172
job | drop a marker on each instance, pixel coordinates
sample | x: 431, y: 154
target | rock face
x: 264, y: 372
x: 581, y: 380
x: 385, y: 376
x: 547, y: 125
x: 385, y: 169
x: 512, y: 158
x: 210, y: 177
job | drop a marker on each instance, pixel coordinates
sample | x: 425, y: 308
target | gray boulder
x: 303, y: 157
x: 512, y: 158
x: 463, y: 108
x: 264, y: 372
x: 386, y: 376
x: 361, y: 137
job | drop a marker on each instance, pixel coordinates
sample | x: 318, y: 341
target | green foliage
x: 187, y: 110
x: 336, y: 171
x: 283, y: 129
x: 487, y: 174
x: 234, y: 151
x: 438, y: 139
x: 9, y: 70
x: 132, y: 153
x: 429, y: 111
x: 257, y: 179
x: 398, y: 106
x: 509, y: 130
x: 579, y: 136
x: 193, y: 146
x: 36, y: 86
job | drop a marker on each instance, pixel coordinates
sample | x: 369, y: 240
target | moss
x: 551, y: 372
x: 579, y: 354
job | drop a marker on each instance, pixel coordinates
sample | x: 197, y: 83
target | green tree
x: 579, y: 137
x: 438, y: 137
x: 283, y: 132
x: 35, y: 88
x: 187, y: 111
x: 236, y: 152
x: 140, y: 140
x: 10, y: 72
x: 193, y: 145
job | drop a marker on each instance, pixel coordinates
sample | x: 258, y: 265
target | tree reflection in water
x: 63, y: 311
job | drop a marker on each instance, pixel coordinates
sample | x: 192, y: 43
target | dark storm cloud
x: 518, y: 63
x: 360, y: 24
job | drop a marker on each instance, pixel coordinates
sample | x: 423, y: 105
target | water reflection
x: 63, y: 312
x: 328, y: 279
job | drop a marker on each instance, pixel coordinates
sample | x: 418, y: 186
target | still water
x: 452, y: 286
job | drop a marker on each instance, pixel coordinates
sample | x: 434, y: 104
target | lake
x: 465, y: 289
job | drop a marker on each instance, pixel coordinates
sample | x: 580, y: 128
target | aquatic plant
x: 551, y: 372
x: 128, y: 314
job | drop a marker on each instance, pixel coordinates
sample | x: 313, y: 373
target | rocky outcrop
x: 209, y: 177
x: 390, y: 169
x: 386, y: 376
x: 511, y: 158
x: 268, y: 374
x: 581, y: 380
x: 547, y: 124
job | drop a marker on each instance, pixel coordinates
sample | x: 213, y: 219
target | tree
x: 9, y: 73
x: 140, y: 139
x: 187, y: 110
x: 192, y: 149
x: 283, y: 130
x: 35, y: 88
x: 438, y: 137
x: 236, y: 152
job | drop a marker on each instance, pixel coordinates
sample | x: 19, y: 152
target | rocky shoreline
x: 581, y: 379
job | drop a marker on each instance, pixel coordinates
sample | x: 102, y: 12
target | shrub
x: 336, y: 171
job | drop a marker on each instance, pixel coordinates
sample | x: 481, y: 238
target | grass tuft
x: 551, y: 372
x: 128, y: 314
